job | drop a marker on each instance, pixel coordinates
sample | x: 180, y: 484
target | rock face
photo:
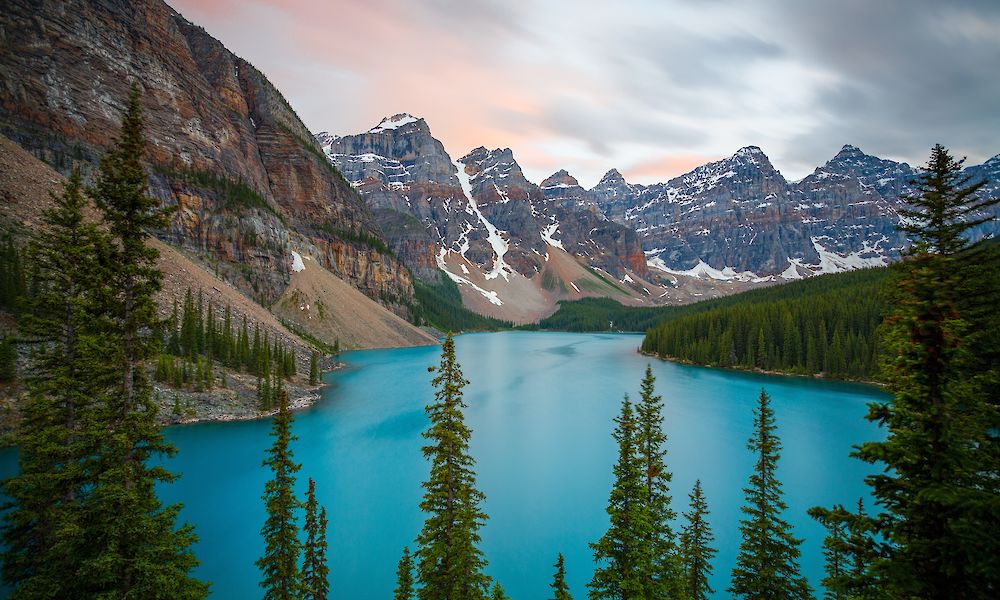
x: 481, y: 206
x: 224, y: 145
x: 565, y: 192
x: 739, y: 217
x: 614, y: 195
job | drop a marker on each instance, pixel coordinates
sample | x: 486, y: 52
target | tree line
x: 829, y: 327
x: 195, y: 340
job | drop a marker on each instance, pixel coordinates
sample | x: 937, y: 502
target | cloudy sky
x: 653, y: 87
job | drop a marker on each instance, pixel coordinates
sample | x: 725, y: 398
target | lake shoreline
x: 758, y: 371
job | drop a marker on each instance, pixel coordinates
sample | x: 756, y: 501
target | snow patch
x: 297, y: 264
x: 831, y: 262
x: 791, y: 272
x: 393, y: 122
x: 499, y: 245
x: 458, y: 279
x: 703, y: 270
x: 547, y: 234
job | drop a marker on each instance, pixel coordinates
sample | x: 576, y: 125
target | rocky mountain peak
x: 849, y: 157
x: 612, y: 177
x: 397, y: 121
x: 750, y: 156
x: 560, y: 179
x: 849, y: 151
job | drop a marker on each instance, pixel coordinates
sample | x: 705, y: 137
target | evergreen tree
x: 8, y: 360
x: 449, y: 562
x: 498, y: 593
x: 666, y: 580
x: 404, y: 577
x: 939, y: 476
x: 623, y: 554
x: 696, y: 549
x: 315, y: 572
x: 560, y: 591
x: 44, y: 534
x: 849, y: 550
x: 313, y: 369
x: 767, y: 566
x: 138, y: 550
x: 280, y: 563
x: 13, y: 284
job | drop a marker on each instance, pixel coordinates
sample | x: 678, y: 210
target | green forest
x: 824, y: 324
x: 440, y: 306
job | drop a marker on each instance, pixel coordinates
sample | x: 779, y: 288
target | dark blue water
x: 541, y: 408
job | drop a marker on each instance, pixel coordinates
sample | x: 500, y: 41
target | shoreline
x: 758, y: 371
x: 227, y: 405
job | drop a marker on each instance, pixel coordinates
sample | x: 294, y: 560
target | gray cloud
x: 910, y: 74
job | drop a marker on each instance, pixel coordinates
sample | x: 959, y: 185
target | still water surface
x: 541, y: 407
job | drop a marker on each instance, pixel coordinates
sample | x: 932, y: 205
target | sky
x: 653, y: 88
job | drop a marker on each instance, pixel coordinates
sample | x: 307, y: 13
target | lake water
x: 541, y: 407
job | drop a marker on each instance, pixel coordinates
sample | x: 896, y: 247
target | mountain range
x: 480, y: 221
x: 253, y: 188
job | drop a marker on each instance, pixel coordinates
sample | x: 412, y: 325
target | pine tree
x: 8, y: 360
x: 665, y: 579
x: 939, y: 477
x: 449, y: 562
x: 850, y: 550
x: 313, y: 368
x: 280, y: 563
x: 835, y: 556
x: 404, y: 577
x: 315, y: 572
x: 560, y: 591
x: 767, y: 565
x: 498, y: 593
x: 622, y: 553
x: 13, y: 283
x: 138, y: 549
x: 696, y: 549
x: 44, y: 537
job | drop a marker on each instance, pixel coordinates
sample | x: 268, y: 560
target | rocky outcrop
x: 566, y: 192
x: 614, y: 196
x: 224, y: 145
x: 741, y: 218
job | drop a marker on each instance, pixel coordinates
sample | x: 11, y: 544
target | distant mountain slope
x: 739, y: 218
x: 225, y: 146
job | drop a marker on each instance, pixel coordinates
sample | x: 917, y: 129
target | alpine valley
x: 374, y: 210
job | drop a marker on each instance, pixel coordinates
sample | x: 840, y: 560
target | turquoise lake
x: 541, y: 407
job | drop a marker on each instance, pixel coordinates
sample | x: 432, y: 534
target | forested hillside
x: 441, y: 306
x: 822, y: 325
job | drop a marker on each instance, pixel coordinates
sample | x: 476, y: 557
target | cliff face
x: 540, y: 216
x: 224, y: 145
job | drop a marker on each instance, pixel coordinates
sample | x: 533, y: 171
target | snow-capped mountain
x: 479, y: 221
x: 740, y: 218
